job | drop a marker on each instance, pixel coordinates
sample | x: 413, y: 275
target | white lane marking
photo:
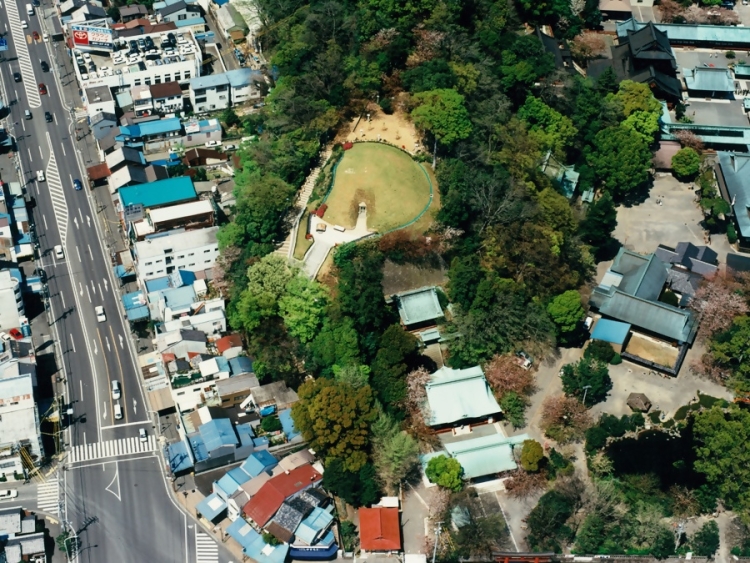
x: 23, y: 124
x: 106, y: 288
x: 93, y: 287
x: 80, y: 384
x: 63, y: 299
x: 96, y: 349
x: 135, y: 406
x: 106, y: 339
x: 79, y: 255
x: 120, y: 337
x: 100, y: 289
x: 115, y: 478
x: 40, y: 153
x: 31, y: 158
x: 75, y: 222
x: 79, y: 209
x: 46, y: 228
x: 88, y: 220
x: 63, y: 149
x: 73, y: 343
x: 88, y: 293
x: 80, y: 288
x: 104, y: 416
x: 90, y: 253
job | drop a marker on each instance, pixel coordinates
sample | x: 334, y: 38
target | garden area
x: 394, y: 187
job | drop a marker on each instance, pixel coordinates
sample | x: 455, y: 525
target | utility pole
x: 585, y: 390
x: 437, y: 538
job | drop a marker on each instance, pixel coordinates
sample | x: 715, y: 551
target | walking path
x: 287, y: 247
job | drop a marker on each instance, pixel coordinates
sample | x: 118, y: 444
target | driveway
x: 326, y: 240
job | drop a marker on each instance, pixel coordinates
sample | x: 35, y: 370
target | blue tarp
x: 287, y: 424
x: 611, y: 331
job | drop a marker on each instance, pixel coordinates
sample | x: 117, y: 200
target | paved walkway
x: 326, y: 240
x: 287, y: 247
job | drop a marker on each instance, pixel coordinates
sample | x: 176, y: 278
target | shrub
x: 514, y: 408
x: 731, y: 233
x: 655, y: 417
x: 637, y: 420
x: 270, y: 424
x: 670, y: 298
x: 707, y: 401
x: 532, y: 455
x: 705, y: 542
x: 270, y: 539
x: 686, y: 163
x: 446, y: 472
x: 599, y: 350
x: 730, y: 54
x: 616, y: 359
x: 386, y: 105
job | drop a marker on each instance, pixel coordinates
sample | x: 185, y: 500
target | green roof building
x: 486, y: 455
x: 460, y: 396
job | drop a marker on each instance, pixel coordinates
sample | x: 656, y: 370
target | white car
x: 8, y: 494
x: 59, y: 254
x: 24, y: 24
x: 40, y: 175
x: 213, y: 143
x: 45, y: 37
x: 100, y: 316
x: 142, y: 435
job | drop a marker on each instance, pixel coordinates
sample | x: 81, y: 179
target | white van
x: 118, y: 411
x: 115, y: 390
x: 30, y: 9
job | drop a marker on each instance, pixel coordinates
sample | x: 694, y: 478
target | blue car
x: 77, y: 185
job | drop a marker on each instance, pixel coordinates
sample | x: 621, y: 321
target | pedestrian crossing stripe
x: 206, y: 549
x: 111, y: 448
x: 57, y: 194
x: 48, y: 497
x: 22, y: 55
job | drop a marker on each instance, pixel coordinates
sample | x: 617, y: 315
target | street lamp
x: 585, y: 390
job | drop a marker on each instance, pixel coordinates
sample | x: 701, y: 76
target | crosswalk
x: 206, y: 549
x: 111, y: 448
x: 48, y: 496
x: 56, y: 193
x: 22, y: 53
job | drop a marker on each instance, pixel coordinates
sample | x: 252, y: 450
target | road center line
x: 63, y: 149
x: 88, y: 293
x: 41, y: 155
x: 80, y: 382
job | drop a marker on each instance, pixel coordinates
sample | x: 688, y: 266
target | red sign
x: 81, y: 37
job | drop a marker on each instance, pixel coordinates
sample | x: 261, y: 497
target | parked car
x: 45, y: 37
x: 42, y: 88
x: 524, y: 360
x: 100, y: 316
x: 17, y: 76
x: 230, y: 147
x: 213, y: 143
x: 77, y: 185
x: 8, y: 494
x: 48, y: 117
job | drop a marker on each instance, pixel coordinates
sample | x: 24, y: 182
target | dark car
x: 48, y: 117
x: 45, y: 66
x: 77, y: 185
x: 17, y: 76
x: 36, y: 3
x: 35, y: 35
x: 42, y: 88
x: 149, y: 43
x: 141, y: 43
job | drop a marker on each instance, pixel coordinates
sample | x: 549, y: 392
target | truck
x: 30, y: 9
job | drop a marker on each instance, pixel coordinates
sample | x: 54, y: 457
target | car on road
x: 5, y: 337
x: 24, y: 25
x: 35, y: 35
x: 230, y: 147
x: 116, y: 394
x: 59, y: 254
x: 77, y: 185
x: 42, y: 88
x: 45, y: 37
x: 118, y: 411
x: 8, y: 494
x: 142, y: 435
x: 17, y: 76
x: 48, y: 117
x: 40, y: 175
x: 100, y: 316
x: 45, y: 66
x: 26, y: 114
x: 213, y: 143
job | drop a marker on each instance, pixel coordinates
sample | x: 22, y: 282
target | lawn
x: 393, y: 186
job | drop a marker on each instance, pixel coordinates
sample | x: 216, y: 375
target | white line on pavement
x: 80, y: 382
x: 63, y: 149
x: 79, y: 255
x: 46, y: 228
x: 89, y: 293
x: 63, y: 299
x: 73, y: 343
x: 31, y: 158
x: 41, y: 155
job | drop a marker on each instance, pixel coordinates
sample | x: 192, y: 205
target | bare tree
x: 564, y: 419
x: 221, y: 282
x: 669, y: 10
x: 689, y: 139
x: 587, y: 46
x: 717, y: 302
x: 695, y: 14
x: 523, y: 484
x: 498, y: 202
x: 504, y: 374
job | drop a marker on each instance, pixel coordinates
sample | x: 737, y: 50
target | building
x: 379, y: 529
x: 204, y: 157
x: 218, y: 442
x: 254, y: 546
x: 614, y: 332
x: 231, y: 23
x: 19, y: 415
x: 245, y: 84
x: 177, y: 11
x: 264, y: 505
x: 690, y: 265
x: 102, y: 123
x: 134, y: 200
x: 190, y: 216
x: 151, y: 136
x: 693, y: 34
x: 167, y: 97
x: 732, y: 173
x: 485, y: 456
x: 120, y: 70
x: 99, y: 99
x: 563, y: 175
x: 230, y: 346
x: 643, y: 55
x: 132, y: 12
x: 163, y: 253
x: 209, y: 93
x: 197, y: 133
x: 615, y: 9
x: 420, y: 311
x: 460, y: 396
x: 708, y: 82
x: 12, y: 310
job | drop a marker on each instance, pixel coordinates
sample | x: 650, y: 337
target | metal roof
x: 148, y: 128
x: 159, y: 193
x: 179, y: 457
x: 486, y: 455
x: 735, y: 169
x: 454, y: 395
x: 419, y: 305
x: 241, y: 77
x: 211, y: 506
x: 209, y: 81
x: 709, y: 79
x: 258, y: 462
x: 311, y: 527
x: 610, y: 331
x: 692, y: 33
x: 217, y: 433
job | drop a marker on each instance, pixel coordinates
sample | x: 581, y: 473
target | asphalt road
x: 119, y: 503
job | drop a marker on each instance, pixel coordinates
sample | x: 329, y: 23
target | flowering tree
x: 523, y: 484
x: 717, y: 302
x: 504, y: 375
x: 564, y: 419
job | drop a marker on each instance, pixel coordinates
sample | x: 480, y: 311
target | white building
x: 99, y: 99
x: 209, y: 93
x: 119, y: 69
x: 244, y: 85
x: 163, y: 253
x: 12, y: 312
x: 19, y: 417
x: 213, y: 322
x: 167, y: 97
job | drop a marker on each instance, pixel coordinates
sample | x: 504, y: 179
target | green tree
x: 465, y: 275
x: 686, y: 163
x: 358, y: 488
x: 514, y: 408
x: 270, y: 539
x: 601, y: 219
x: 271, y: 424
x: 354, y: 375
x: 705, y: 542
x: 395, y: 358
x: 267, y: 282
x: 532, y: 454
x: 722, y: 452
x: 663, y: 545
x: 230, y: 118
x: 589, y: 373
x: 547, y: 522
x: 337, y: 343
x: 646, y: 124
x: 553, y: 130
x: 395, y: 453
x: 728, y: 352
x: 591, y: 535
x: 443, y: 114
x: 566, y: 311
x: 446, y: 472
x: 335, y: 420
x: 632, y: 97
x: 303, y: 307
x: 620, y: 159
x: 599, y: 350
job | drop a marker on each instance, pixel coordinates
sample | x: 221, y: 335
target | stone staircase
x: 287, y: 247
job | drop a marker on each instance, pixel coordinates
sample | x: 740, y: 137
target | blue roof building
x: 459, y: 396
x: 180, y: 458
x: 160, y: 193
x: 610, y: 331
x: 486, y: 455
x: 287, y: 424
x: 218, y: 433
x: 241, y: 77
x: 175, y: 279
x: 241, y: 365
x: 314, y: 526
x: 209, y: 81
x: 253, y: 545
x: 324, y: 550
x: 258, y: 462
x: 137, y: 134
x: 212, y: 508
x: 230, y: 482
x: 135, y: 306
x: 190, y: 22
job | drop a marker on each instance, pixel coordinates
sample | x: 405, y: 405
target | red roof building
x: 228, y: 342
x: 267, y: 501
x: 379, y: 529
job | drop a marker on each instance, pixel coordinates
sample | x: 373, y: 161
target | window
x: 208, y: 261
x: 221, y: 88
x: 191, y: 254
x: 181, y: 256
x: 148, y: 80
x: 207, y: 251
x: 157, y: 80
x: 187, y: 75
x: 200, y: 100
x: 181, y: 17
x: 149, y: 263
x: 189, y: 265
x: 223, y: 97
x: 168, y: 78
x: 159, y: 271
x: 212, y: 106
x: 177, y: 75
x: 137, y: 82
x: 180, y: 392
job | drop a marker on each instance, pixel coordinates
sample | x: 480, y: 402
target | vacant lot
x: 393, y: 186
x: 652, y: 350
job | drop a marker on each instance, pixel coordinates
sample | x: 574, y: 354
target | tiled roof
x: 270, y: 497
x: 379, y: 529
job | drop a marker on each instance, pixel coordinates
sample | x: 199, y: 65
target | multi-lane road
x: 112, y: 489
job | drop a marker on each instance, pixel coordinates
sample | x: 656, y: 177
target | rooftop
x: 486, y: 455
x: 166, y: 90
x: 241, y: 77
x: 159, y: 193
x: 209, y: 81
x: 692, y: 33
x: 709, y: 79
x: 607, y: 330
x: 311, y: 527
x: 455, y: 395
x: 150, y: 128
x: 418, y: 306
x: 272, y: 494
x: 379, y: 529
x: 158, y: 245
x: 211, y: 507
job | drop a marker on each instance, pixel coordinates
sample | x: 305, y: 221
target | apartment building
x: 163, y: 253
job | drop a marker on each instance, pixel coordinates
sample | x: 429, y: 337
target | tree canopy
x: 588, y: 377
